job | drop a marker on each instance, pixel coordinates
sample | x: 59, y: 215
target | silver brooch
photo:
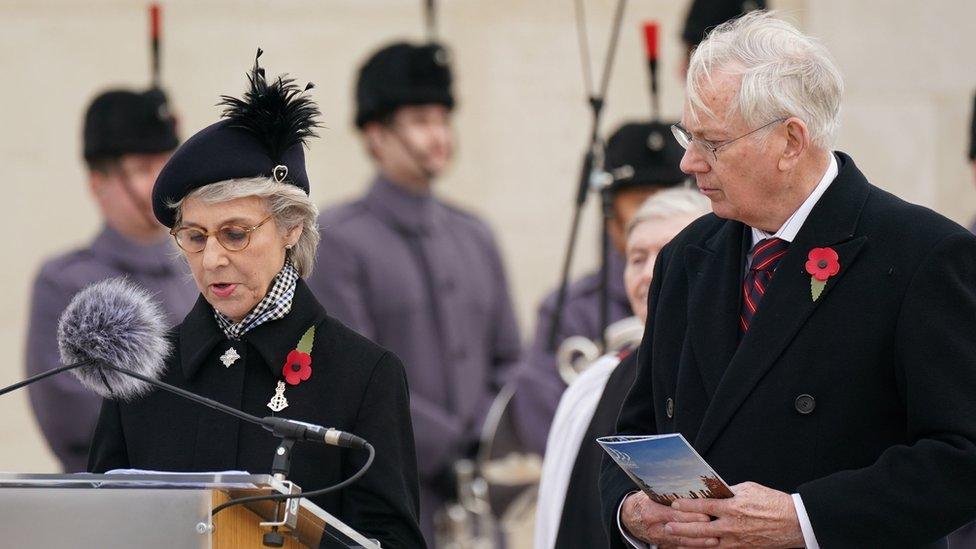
x: 280, y: 173
x: 229, y: 357
x: 278, y: 402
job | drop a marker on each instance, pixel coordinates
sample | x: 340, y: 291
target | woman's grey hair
x: 670, y: 203
x: 290, y: 206
x: 784, y: 73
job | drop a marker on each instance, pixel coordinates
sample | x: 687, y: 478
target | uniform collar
x: 156, y: 258
x: 406, y: 211
x: 199, y: 332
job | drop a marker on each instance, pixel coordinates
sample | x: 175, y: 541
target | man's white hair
x: 784, y: 73
x: 290, y: 206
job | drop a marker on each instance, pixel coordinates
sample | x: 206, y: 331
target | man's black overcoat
x: 355, y: 386
x: 863, y: 401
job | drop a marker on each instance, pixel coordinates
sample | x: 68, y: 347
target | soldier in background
x: 642, y: 158
x: 128, y: 136
x: 416, y: 275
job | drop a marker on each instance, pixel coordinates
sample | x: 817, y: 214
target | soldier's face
x: 124, y: 194
x: 643, y: 244
x: 233, y: 282
x: 417, y: 144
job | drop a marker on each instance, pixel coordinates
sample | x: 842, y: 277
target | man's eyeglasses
x: 233, y: 238
x: 685, y: 138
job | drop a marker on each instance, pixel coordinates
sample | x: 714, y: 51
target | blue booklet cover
x: 665, y: 467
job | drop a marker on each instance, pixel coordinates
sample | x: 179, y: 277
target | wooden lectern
x: 152, y: 511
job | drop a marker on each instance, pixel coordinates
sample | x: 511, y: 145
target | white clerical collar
x: 793, y: 223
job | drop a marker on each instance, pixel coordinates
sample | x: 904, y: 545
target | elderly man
x: 813, y: 338
x: 416, y: 275
x: 128, y: 136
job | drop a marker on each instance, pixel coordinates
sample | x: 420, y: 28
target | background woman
x: 569, y: 496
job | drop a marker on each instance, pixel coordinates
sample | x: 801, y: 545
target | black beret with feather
x: 262, y: 134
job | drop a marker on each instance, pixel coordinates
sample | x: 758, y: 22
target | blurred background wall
x: 522, y: 121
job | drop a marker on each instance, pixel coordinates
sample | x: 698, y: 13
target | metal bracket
x: 289, y: 516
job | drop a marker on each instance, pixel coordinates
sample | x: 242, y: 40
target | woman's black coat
x: 355, y: 386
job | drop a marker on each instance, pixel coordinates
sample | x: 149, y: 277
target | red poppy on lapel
x: 822, y: 263
x: 298, y: 367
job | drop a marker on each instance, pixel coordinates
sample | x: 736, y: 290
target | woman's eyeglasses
x: 233, y: 238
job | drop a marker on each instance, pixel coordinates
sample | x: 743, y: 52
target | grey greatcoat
x: 426, y: 281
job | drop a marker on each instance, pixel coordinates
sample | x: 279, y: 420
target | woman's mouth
x: 223, y: 289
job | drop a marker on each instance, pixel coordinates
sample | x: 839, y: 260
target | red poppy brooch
x: 297, y: 368
x: 298, y: 363
x: 822, y: 263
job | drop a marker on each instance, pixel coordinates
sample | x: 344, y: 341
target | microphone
x: 117, y: 322
x: 114, y: 322
x: 301, y: 430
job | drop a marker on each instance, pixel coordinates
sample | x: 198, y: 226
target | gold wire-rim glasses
x: 232, y: 238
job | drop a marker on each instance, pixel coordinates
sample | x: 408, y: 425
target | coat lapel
x: 713, y: 301
x: 274, y: 340
x: 788, y: 303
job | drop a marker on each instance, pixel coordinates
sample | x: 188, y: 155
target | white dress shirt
x: 787, y: 232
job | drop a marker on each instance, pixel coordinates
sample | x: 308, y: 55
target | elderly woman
x: 236, y: 198
x: 568, y: 513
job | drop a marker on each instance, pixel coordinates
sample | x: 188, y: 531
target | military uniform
x: 420, y: 277
x: 424, y: 280
x: 118, y: 122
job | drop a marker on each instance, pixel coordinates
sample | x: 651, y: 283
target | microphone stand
x: 589, y: 177
x: 42, y: 375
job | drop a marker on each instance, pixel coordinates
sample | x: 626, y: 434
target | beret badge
x: 280, y: 172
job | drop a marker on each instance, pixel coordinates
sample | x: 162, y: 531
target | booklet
x: 665, y: 467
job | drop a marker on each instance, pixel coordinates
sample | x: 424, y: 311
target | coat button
x: 669, y: 407
x: 805, y: 404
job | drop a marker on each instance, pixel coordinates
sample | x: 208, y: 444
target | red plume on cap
x: 650, y: 40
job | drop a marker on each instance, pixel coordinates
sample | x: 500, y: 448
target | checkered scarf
x: 275, y: 305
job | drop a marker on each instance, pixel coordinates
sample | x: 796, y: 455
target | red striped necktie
x: 765, y: 256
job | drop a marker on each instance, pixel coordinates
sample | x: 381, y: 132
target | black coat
x: 863, y: 402
x: 355, y: 386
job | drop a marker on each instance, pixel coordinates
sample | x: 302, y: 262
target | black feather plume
x: 279, y: 114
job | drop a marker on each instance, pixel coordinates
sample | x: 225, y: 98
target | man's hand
x: 756, y: 517
x: 645, y: 520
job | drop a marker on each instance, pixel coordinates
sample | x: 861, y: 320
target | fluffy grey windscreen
x: 114, y: 322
